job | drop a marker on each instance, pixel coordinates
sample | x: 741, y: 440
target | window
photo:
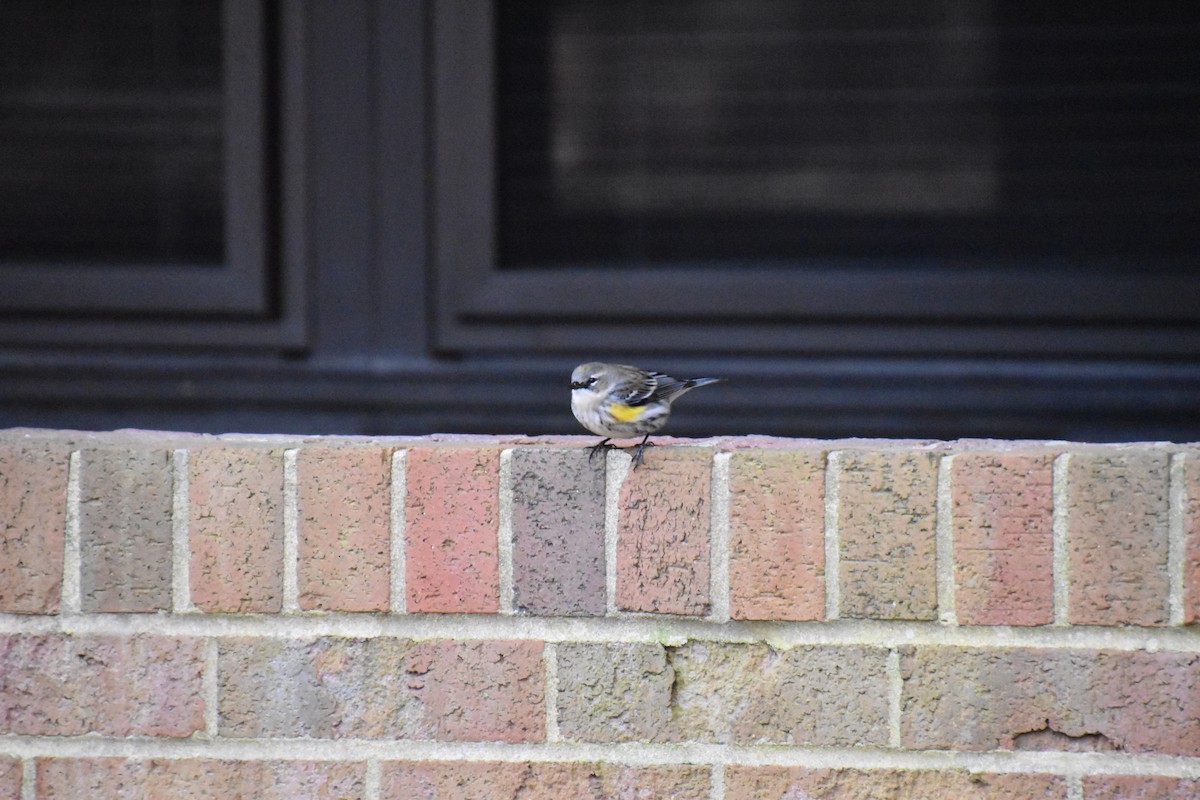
x: 940, y: 218
x: 943, y: 177
x: 137, y: 175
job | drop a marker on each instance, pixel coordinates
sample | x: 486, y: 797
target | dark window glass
x: 111, y: 132
x: 944, y: 132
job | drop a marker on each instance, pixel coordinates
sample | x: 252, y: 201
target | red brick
x: 125, y: 529
x: 33, y: 503
x: 1003, y: 511
x: 1191, y: 532
x: 344, y: 508
x: 1117, y: 534
x: 452, y: 529
x: 886, y: 526
x: 662, y: 533
x: 197, y: 779
x: 754, y: 783
x: 558, y: 532
x: 1139, y: 787
x: 236, y: 528
x: 10, y: 776
x: 382, y: 688
x: 777, y: 535
x: 450, y: 780
x: 119, y: 686
x: 724, y: 693
x: 1027, y: 699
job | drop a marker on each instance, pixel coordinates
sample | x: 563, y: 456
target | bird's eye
x: 592, y: 381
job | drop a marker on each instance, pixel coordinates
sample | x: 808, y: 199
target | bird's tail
x: 689, y: 384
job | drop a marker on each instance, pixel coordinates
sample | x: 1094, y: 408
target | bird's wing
x: 652, y: 386
x: 639, y: 387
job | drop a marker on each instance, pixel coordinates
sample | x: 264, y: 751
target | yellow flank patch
x: 624, y: 413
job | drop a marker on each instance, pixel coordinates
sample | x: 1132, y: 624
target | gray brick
x: 558, y: 532
x: 125, y: 530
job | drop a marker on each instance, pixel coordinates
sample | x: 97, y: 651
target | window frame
x: 825, y: 310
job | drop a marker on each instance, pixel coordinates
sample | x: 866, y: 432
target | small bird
x: 618, y: 401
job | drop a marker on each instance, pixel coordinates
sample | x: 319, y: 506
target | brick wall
x: 221, y: 617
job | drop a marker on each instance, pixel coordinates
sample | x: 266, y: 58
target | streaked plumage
x: 618, y: 401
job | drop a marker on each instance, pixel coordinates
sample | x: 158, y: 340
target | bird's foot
x: 596, y: 448
x: 639, y: 454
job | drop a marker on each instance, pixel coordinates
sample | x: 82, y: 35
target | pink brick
x: 1139, y: 787
x: 886, y: 526
x: 1003, y: 511
x: 777, y: 534
x: 56, y: 685
x: 1030, y: 699
x: 1117, y: 534
x: 236, y: 529
x: 797, y: 783
x: 382, y: 688
x: 662, y: 533
x: 451, y: 780
x: 452, y: 528
x: 723, y: 693
x: 10, y: 776
x: 344, y: 548
x: 198, y: 779
x: 33, y: 502
x: 1191, y: 532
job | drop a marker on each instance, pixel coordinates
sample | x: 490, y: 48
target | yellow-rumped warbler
x: 618, y: 401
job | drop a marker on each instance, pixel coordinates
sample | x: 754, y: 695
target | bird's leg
x: 639, y: 454
x: 596, y: 448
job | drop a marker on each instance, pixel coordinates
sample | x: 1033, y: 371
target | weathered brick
x: 53, y: 685
x: 450, y: 780
x: 662, y: 533
x: 1002, y: 508
x: 452, y: 529
x: 1139, y: 787
x: 615, y: 692
x: 125, y: 529
x: 1016, y: 699
x: 197, y: 779
x: 33, y: 503
x: 1117, y: 538
x: 777, y: 535
x: 725, y: 693
x: 558, y: 532
x: 754, y: 783
x: 1191, y: 532
x: 344, y: 528
x: 886, y: 526
x: 235, y: 528
x: 382, y: 688
x: 10, y: 776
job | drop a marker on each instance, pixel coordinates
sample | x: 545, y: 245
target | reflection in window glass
x: 934, y: 133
